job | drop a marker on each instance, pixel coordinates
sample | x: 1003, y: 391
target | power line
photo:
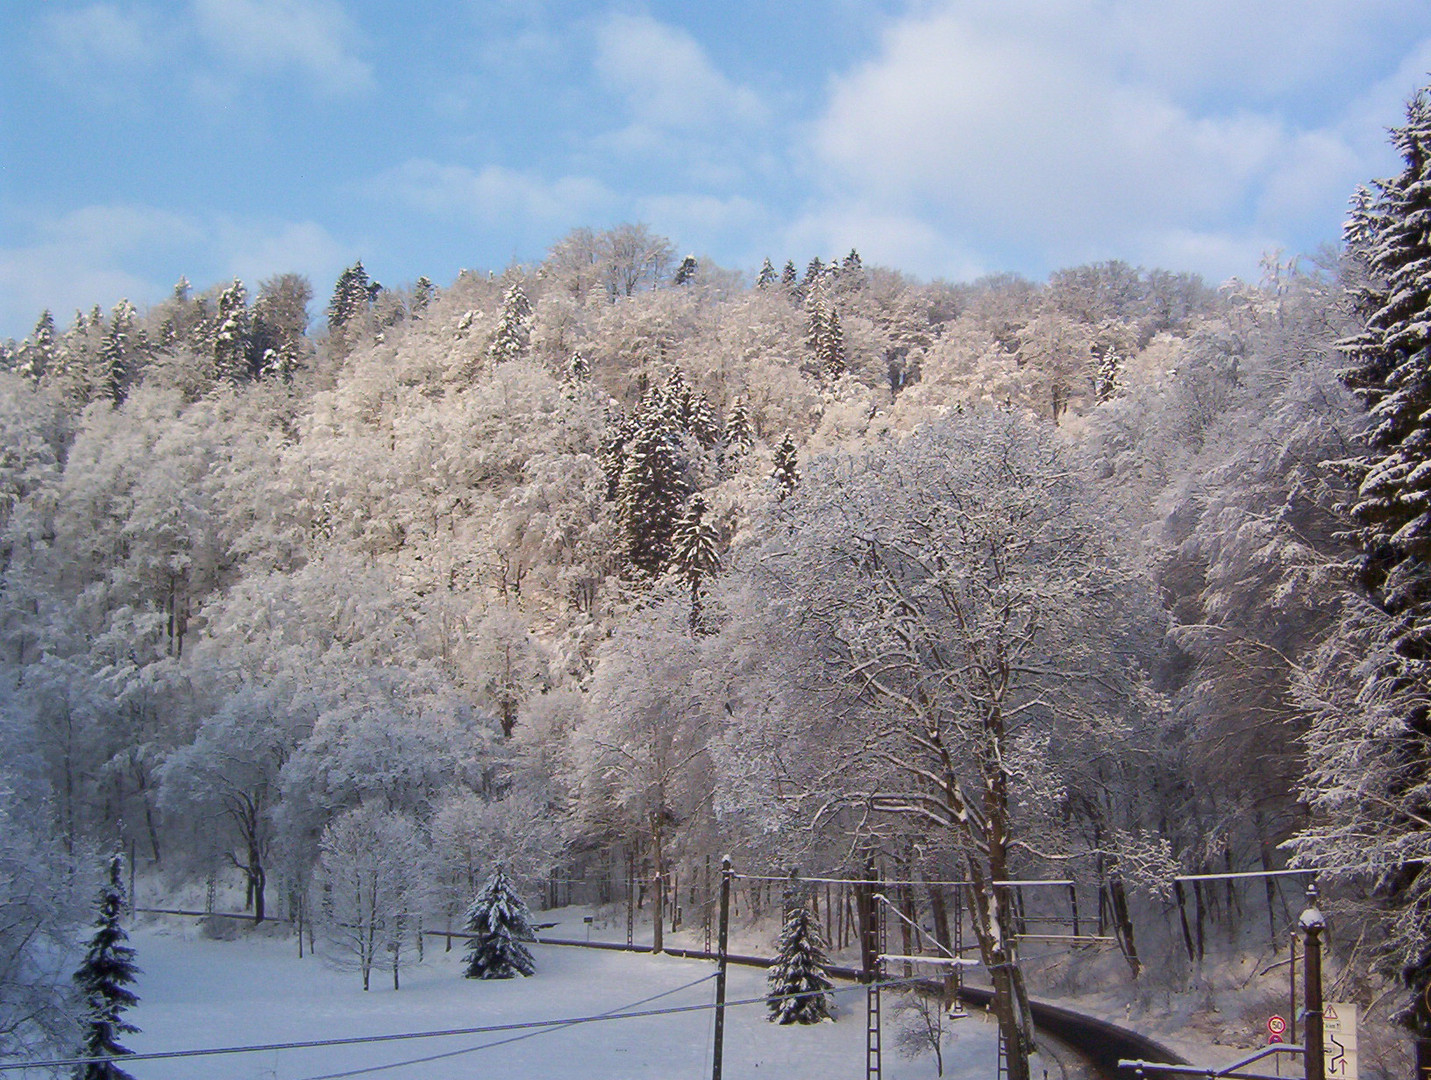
x: 503, y: 1042
x: 530, y: 1025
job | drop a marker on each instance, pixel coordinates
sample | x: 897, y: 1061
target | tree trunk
x: 1123, y: 925
x: 940, y: 913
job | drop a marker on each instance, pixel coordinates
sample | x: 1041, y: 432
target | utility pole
x: 1312, y: 923
x: 718, y: 1052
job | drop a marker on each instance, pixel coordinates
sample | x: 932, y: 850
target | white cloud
x: 667, y: 79
x: 97, y: 36
x: 1091, y: 129
x: 492, y: 195
x: 90, y: 256
x: 301, y: 248
x: 80, y: 259
x: 884, y: 238
x: 265, y: 36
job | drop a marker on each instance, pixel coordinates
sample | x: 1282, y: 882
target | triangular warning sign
x: 1330, y: 1014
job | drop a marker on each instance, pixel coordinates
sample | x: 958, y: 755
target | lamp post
x: 1312, y: 922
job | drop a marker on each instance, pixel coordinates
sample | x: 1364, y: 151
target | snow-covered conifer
x: 695, y: 558
x: 786, y: 474
x: 738, y: 436
x: 1373, y: 755
x: 799, y: 968
x: 789, y: 277
x: 514, y: 328
x: 37, y: 355
x: 113, y: 374
x: 232, y: 333
x: 499, y: 922
x: 767, y: 276
x: 648, y: 499
x: 686, y: 272
x: 103, y: 981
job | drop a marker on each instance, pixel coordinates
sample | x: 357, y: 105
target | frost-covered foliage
x: 41, y: 909
x: 499, y: 922
x: 960, y: 645
x: 491, y: 564
x: 1370, y: 744
x: 372, y: 880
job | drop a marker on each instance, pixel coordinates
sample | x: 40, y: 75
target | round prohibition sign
x: 1276, y: 1025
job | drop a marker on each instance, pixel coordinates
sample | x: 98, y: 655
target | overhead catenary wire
x: 611, y: 1013
x: 357, y: 1040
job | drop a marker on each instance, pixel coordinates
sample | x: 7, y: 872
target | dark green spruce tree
x: 799, y: 967
x: 1384, y: 755
x: 102, y: 981
x: 785, y: 474
x: 499, y: 922
x: 648, y: 498
x: 696, y: 559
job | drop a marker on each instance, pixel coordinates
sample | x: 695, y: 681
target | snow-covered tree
x: 648, y: 499
x: 799, y: 967
x: 231, y: 334
x: 695, y: 558
x: 103, y: 981
x: 1373, y: 748
x: 514, y: 326
x: 41, y: 910
x: 352, y: 295
x: 738, y: 438
x: 686, y: 272
x: 38, y: 353
x: 372, y: 877
x: 114, y: 353
x: 968, y: 641
x: 498, y: 922
x: 786, y: 473
x: 767, y: 276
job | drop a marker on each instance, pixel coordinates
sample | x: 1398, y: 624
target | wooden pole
x: 723, y: 940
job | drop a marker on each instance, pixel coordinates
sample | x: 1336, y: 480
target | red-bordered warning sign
x: 1276, y: 1025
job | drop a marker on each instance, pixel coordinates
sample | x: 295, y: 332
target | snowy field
x: 199, y: 993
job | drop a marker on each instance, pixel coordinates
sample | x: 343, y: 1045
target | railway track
x: 1100, y: 1043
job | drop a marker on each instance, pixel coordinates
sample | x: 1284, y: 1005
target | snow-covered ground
x: 199, y: 993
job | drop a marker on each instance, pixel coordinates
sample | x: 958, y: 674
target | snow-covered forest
x: 1113, y: 576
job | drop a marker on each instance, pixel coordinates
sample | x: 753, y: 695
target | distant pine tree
x: 423, y: 293
x: 499, y: 921
x: 108, y: 968
x: 799, y: 968
x: 767, y: 276
x: 231, y: 337
x: 686, y: 272
x: 695, y: 557
x: 785, y: 474
x: 648, y: 498
x: 351, y: 296
x: 789, y: 277
x: 513, y: 326
x: 738, y: 438
x: 37, y: 355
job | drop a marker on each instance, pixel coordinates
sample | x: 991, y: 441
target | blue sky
x: 217, y: 138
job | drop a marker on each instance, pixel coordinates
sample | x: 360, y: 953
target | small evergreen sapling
x: 499, y: 922
x: 799, y: 968
x: 108, y: 968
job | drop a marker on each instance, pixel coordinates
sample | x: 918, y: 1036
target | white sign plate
x: 1339, y: 1024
